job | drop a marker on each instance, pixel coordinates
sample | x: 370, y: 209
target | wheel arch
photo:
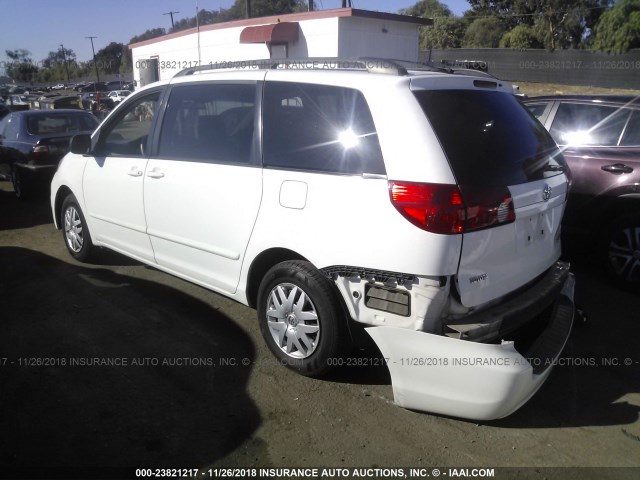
x: 261, y: 265
x: 623, y: 204
x: 62, y: 193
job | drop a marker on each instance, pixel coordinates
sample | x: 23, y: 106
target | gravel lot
x: 196, y: 387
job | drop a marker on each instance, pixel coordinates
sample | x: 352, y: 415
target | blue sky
x: 40, y: 26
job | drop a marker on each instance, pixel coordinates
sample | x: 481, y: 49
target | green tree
x: 58, y: 57
x: 259, y: 8
x: 447, y: 30
x: 109, y: 58
x: 205, y: 17
x: 20, y: 66
x: 521, y: 37
x: 484, y: 33
x: 557, y: 23
x: 148, y: 35
x: 619, y: 28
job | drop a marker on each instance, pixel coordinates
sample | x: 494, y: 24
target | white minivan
x: 421, y: 204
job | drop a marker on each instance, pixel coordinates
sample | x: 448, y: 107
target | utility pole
x: 94, y: 58
x: 171, y: 13
x: 311, y: 5
x: 248, y: 6
x: 66, y: 67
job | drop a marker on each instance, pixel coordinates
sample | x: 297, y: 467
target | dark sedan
x: 33, y: 142
x: 600, y: 140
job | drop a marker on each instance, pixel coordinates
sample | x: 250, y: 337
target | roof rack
x: 369, y: 64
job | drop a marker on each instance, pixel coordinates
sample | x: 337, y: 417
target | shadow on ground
x: 16, y: 214
x: 589, y: 386
x: 172, y: 402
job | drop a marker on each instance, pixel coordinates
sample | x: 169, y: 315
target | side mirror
x: 80, y: 144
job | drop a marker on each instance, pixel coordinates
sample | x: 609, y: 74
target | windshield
x: 490, y: 138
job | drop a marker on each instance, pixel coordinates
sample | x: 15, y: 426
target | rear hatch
x: 512, y: 182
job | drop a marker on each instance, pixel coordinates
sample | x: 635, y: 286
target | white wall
x: 329, y: 37
x: 365, y: 37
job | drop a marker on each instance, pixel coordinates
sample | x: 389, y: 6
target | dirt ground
x: 192, y: 385
x: 533, y: 89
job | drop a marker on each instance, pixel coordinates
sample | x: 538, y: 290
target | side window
x: 12, y: 128
x: 209, y: 122
x: 537, y: 109
x: 128, y: 135
x: 631, y: 136
x: 319, y: 128
x: 579, y: 124
x: 3, y: 125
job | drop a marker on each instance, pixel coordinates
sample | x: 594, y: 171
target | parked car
x: 115, y: 85
x: 4, y: 111
x: 93, y: 87
x: 33, y: 142
x: 59, y: 86
x: 425, y: 206
x: 600, y: 139
x: 94, y: 102
x: 118, y: 95
x: 60, y: 102
x: 34, y: 100
x: 18, y: 90
x: 17, y: 103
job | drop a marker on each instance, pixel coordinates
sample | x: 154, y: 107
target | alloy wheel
x: 624, y: 253
x: 292, y: 320
x: 73, y: 230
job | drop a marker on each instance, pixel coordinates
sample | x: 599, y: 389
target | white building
x: 343, y: 32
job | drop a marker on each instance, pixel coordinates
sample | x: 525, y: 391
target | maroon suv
x: 600, y: 139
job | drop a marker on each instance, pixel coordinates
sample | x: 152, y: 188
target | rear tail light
x: 40, y: 153
x: 448, y: 209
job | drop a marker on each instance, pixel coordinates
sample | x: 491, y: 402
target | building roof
x: 291, y: 17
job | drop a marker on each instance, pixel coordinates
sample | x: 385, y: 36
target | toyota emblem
x: 546, y: 192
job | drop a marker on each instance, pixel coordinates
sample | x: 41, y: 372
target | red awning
x: 283, y: 32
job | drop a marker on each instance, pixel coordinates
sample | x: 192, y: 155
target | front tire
x: 75, y: 232
x: 301, y: 318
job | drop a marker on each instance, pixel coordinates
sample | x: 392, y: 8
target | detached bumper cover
x: 472, y: 380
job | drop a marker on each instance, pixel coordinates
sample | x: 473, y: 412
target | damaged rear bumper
x: 468, y: 379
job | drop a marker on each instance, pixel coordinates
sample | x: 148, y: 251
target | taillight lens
x: 433, y: 207
x: 40, y: 154
x: 448, y: 209
x: 487, y: 207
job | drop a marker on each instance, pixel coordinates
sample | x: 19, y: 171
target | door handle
x: 155, y: 174
x: 135, y: 172
x: 617, y: 169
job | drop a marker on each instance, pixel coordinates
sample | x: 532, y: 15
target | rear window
x: 490, y: 138
x: 60, y: 124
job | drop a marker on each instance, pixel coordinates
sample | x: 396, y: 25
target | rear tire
x: 75, y: 232
x: 621, y: 250
x: 301, y: 318
x: 22, y: 183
